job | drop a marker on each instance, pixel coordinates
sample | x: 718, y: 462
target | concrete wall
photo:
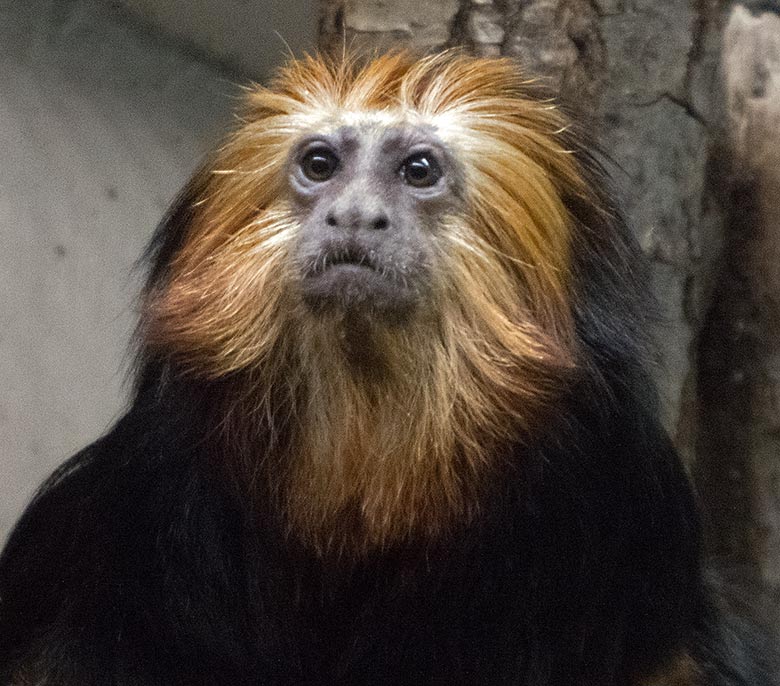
x: 247, y: 36
x: 102, y: 118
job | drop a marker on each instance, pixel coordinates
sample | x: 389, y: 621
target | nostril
x: 380, y: 223
x: 330, y: 220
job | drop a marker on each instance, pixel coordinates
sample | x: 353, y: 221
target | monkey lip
x: 351, y: 257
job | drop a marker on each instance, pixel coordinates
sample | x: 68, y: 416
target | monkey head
x: 388, y: 246
x: 399, y: 193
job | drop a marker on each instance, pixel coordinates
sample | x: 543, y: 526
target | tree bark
x: 685, y: 97
x: 739, y: 447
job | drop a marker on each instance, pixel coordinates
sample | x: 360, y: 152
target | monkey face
x: 412, y: 209
x: 370, y: 201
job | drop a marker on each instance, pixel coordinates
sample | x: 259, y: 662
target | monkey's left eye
x: 421, y: 170
x: 319, y: 164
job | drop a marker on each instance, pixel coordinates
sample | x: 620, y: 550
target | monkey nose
x: 358, y: 218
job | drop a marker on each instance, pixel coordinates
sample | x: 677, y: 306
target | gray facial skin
x: 371, y: 201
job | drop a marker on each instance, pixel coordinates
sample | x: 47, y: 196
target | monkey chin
x: 365, y: 312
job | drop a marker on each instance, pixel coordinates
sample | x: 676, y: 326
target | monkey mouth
x: 342, y: 256
x: 352, y: 278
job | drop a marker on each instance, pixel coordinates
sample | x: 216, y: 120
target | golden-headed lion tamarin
x: 392, y: 423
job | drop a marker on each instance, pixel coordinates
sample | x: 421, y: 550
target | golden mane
x: 368, y: 466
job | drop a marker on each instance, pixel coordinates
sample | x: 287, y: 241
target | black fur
x: 139, y: 563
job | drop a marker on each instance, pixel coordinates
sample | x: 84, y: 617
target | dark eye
x: 421, y: 170
x: 319, y: 164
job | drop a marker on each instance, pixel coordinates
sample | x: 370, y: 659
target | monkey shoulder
x: 126, y: 548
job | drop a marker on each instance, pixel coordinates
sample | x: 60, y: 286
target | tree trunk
x: 695, y: 146
x: 740, y: 348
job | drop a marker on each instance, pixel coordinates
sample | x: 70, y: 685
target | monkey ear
x: 172, y: 231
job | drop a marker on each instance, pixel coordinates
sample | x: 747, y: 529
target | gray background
x: 105, y: 109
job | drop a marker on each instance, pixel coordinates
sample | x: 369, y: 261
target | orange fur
x: 370, y: 463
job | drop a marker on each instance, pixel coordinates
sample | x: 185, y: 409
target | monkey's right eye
x: 319, y: 164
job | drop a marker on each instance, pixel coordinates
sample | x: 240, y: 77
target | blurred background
x: 106, y: 107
